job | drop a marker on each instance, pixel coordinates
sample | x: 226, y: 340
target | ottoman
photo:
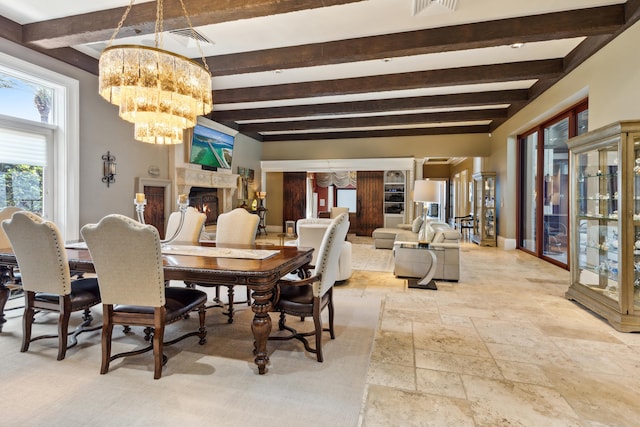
x: 383, y: 238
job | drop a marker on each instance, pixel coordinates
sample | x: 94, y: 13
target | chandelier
x: 160, y: 92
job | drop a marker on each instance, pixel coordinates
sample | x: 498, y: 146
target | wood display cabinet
x: 605, y: 223
x: 394, y: 198
x: 484, y: 209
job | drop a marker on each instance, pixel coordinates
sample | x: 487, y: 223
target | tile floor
x: 502, y: 347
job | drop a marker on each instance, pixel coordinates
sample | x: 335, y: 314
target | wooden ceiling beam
x: 514, y: 71
x: 376, y: 105
x: 390, y: 120
x: 550, y: 26
x: 99, y: 26
x: 384, y: 133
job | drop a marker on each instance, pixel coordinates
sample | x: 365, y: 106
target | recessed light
x: 278, y: 71
x: 386, y: 59
x: 516, y: 45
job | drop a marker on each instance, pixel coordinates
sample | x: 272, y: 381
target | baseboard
x: 506, y: 244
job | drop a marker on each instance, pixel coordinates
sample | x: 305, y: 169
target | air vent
x: 187, y: 33
x: 426, y: 7
x: 432, y: 160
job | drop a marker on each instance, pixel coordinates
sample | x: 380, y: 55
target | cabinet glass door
x: 597, y: 220
x: 636, y: 224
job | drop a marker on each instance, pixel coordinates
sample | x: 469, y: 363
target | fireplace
x: 205, y: 200
x: 207, y: 188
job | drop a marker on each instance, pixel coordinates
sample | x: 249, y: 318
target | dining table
x: 258, y: 267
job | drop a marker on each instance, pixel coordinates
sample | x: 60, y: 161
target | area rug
x: 366, y: 257
x: 215, y: 385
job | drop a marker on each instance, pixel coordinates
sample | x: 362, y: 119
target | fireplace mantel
x: 227, y: 182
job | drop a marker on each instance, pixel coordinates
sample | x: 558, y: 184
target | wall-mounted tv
x: 211, y: 148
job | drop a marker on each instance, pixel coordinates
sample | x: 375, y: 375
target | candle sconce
x: 109, y: 168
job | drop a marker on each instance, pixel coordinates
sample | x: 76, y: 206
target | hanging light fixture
x: 160, y: 92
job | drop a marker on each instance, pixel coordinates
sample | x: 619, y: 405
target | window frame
x: 65, y: 185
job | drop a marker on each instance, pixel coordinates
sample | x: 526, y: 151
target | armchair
x: 46, y: 279
x: 128, y: 261
x: 311, y: 295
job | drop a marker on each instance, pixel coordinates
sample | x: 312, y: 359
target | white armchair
x: 310, y: 233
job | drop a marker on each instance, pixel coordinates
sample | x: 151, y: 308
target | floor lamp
x: 425, y: 191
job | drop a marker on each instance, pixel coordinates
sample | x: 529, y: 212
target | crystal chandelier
x: 158, y: 91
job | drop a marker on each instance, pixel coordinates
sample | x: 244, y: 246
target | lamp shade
x: 426, y: 191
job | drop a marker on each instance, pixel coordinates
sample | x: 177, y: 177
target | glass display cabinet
x: 484, y: 210
x: 394, y: 198
x: 605, y: 223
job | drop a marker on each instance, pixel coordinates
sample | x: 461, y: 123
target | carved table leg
x: 261, y: 327
x: 4, y: 292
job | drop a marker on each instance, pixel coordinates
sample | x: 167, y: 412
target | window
x: 39, y: 148
x: 347, y: 198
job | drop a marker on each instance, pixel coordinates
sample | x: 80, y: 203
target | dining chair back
x: 46, y: 279
x: 191, y: 227
x: 237, y: 227
x: 309, y: 296
x: 6, y: 213
x: 128, y: 261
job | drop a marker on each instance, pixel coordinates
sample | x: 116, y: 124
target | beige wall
x: 413, y: 146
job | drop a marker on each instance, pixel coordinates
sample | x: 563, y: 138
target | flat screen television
x: 211, y: 148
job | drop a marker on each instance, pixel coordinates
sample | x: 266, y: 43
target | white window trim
x: 66, y: 108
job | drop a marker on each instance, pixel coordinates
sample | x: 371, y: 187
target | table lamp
x: 261, y: 196
x: 425, y: 191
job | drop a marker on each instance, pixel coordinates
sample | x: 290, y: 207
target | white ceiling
x: 320, y: 25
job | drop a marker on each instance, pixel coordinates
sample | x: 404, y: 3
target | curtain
x: 342, y: 179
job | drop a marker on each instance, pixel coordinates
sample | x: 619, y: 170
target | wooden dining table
x: 259, y: 275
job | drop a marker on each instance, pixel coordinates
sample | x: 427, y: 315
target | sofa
x: 443, y: 240
x: 310, y: 232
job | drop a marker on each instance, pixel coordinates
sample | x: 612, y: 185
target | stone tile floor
x: 501, y: 347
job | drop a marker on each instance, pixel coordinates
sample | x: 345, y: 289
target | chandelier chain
x: 121, y: 23
x: 193, y: 33
x: 159, y: 23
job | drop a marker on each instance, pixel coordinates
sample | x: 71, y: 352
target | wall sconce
x: 109, y: 168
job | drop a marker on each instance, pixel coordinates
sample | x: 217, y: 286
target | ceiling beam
x: 402, y: 81
x: 99, y: 26
x: 390, y: 120
x: 452, y: 130
x: 550, y: 26
x: 376, y: 105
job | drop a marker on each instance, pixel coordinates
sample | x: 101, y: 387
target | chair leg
x: 63, y: 325
x: 249, y: 297
x: 330, y: 309
x: 317, y: 323
x: 107, y: 331
x: 158, y: 338
x: 27, y: 320
x: 202, y: 311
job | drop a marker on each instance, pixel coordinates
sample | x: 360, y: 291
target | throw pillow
x: 429, y: 232
x: 417, y: 223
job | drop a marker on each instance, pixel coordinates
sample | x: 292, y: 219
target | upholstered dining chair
x: 191, y: 227
x: 46, y: 279
x: 237, y: 227
x: 128, y: 261
x: 309, y: 296
x: 6, y: 213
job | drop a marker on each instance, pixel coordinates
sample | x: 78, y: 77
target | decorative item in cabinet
x: 484, y: 227
x: 605, y: 223
x: 394, y: 198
